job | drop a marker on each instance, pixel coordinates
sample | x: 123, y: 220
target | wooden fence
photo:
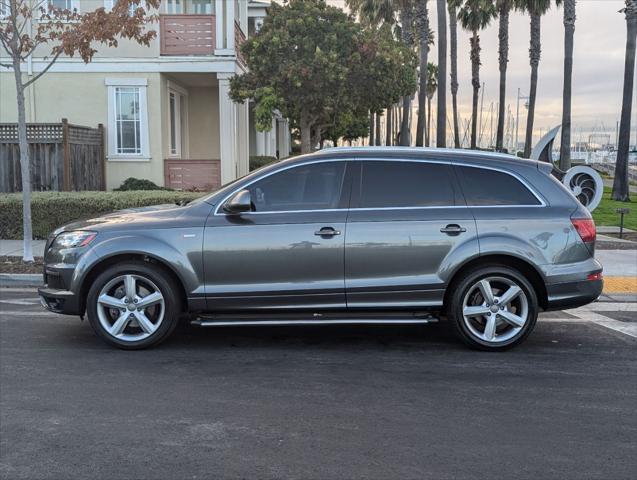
x: 62, y: 157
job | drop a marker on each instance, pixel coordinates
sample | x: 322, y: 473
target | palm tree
x: 535, y: 8
x: 424, y: 40
x: 441, y: 121
x: 504, y: 7
x: 569, y: 33
x: 620, y: 184
x: 475, y: 15
x: 375, y: 12
x: 453, y: 52
x: 431, y: 87
x: 406, y: 24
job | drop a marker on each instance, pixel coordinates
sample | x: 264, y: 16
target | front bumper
x: 60, y: 301
x: 573, y: 294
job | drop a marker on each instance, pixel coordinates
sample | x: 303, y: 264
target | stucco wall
x: 203, y: 122
x: 83, y: 99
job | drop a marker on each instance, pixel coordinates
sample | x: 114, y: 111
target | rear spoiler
x: 545, y: 167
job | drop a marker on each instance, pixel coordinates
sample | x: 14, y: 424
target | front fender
x: 178, y: 249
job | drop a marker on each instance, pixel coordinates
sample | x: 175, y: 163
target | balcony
x: 187, y: 34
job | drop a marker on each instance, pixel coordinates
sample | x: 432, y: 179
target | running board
x: 332, y: 321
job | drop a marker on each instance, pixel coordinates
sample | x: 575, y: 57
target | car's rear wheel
x: 493, y: 308
x: 133, y: 305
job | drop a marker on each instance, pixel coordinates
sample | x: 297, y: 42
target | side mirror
x: 239, y: 203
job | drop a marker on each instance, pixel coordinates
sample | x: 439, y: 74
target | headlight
x: 73, y: 239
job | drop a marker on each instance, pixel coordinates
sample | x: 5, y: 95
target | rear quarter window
x: 485, y: 187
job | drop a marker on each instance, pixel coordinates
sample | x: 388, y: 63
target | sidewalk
x: 13, y: 248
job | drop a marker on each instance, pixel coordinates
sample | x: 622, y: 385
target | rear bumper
x: 60, y: 301
x: 573, y: 294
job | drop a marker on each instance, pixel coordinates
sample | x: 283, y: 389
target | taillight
x: 586, y: 229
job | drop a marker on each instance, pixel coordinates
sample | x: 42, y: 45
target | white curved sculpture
x: 583, y: 182
x: 586, y: 184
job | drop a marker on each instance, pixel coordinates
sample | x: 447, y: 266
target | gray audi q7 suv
x: 343, y: 236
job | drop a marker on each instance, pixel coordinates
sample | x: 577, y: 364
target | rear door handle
x: 453, y: 229
x: 327, y: 232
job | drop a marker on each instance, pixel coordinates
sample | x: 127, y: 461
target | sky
x: 600, y: 40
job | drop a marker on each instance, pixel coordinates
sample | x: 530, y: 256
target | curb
x: 21, y: 280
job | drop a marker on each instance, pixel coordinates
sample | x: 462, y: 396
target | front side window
x: 396, y: 184
x: 306, y: 187
x: 484, y: 187
x: 128, y: 121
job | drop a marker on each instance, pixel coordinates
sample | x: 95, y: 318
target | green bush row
x: 50, y: 210
x: 258, y: 161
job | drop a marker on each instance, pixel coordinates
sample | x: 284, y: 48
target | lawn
x: 605, y: 213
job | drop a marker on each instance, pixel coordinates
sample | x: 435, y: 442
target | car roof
x: 472, y: 157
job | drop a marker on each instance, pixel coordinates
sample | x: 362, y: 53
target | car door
x: 288, y: 252
x: 407, y: 225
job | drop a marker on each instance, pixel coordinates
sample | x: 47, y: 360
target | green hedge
x: 258, y: 161
x: 50, y: 210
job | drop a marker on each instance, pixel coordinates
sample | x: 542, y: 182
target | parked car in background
x: 342, y: 236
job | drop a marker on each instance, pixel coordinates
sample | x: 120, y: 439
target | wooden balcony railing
x: 239, y: 38
x: 187, y: 34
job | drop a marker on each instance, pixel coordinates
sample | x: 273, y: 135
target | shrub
x: 132, y: 183
x: 259, y: 161
x: 53, y: 209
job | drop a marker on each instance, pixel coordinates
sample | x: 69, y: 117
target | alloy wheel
x: 495, y: 309
x: 130, y: 307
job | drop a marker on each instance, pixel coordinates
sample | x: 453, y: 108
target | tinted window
x: 307, y: 187
x: 489, y: 187
x: 406, y: 184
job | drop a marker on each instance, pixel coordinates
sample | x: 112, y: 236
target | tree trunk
x: 306, y: 133
x: 620, y: 183
x: 569, y: 32
x: 534, y: 54
x: 422, y: 22
x: 428, y: 136
x: 475, y: 82
x: 453, y: 39
x: 378, y: 139
x: 25, y: 168
x: 408, y: 39
x: 441, y: 120
x: 388, y: 127
x: 371, y: 128
x: 503, y: 57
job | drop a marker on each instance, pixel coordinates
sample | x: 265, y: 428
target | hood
x: 155, y: 216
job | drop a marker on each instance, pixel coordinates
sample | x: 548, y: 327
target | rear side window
x: 386, y: 184
x: 484, y: 187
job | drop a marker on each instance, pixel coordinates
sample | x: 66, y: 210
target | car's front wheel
x: 493, y: 308
x: 133, y: 305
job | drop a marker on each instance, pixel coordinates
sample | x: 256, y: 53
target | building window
x: 64, y: 4
x: 174, y: 7
x: 200, y: 7
x: 127, y: 119
x: 109, y: 4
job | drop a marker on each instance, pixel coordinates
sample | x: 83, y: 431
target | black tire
x: 463, y: 285
x: 164, y: 283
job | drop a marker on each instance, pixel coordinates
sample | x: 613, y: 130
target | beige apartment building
x: 165, y: 108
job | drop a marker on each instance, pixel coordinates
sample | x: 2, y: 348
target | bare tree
x: 36, y: 25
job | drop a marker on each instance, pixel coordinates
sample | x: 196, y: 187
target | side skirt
x: 361, y: 318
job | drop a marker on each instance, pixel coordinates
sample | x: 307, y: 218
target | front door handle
x: 327, y: 232
x: 453, y: 229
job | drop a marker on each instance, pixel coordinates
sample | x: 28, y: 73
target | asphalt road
x: 316, y: 403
